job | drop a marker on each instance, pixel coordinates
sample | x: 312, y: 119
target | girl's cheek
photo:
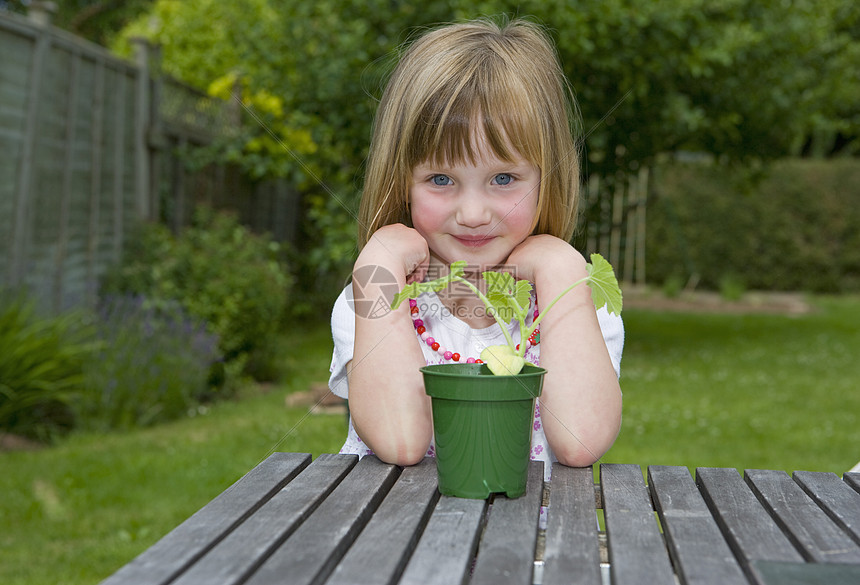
x: 521, y: 216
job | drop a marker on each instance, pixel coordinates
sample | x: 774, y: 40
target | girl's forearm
x: 390, y: 411
x: 581, y: 399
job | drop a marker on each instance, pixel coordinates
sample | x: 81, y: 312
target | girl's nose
x: 473, y: 209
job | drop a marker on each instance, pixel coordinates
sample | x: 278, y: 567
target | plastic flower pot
x: 482, y: 425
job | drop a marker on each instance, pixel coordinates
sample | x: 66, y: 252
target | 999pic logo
x: 373, y: 288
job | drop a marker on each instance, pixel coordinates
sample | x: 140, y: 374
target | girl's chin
x: 475, y: 262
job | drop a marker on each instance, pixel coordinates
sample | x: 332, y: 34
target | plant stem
x: 489, y: 306
x: 554, y: 301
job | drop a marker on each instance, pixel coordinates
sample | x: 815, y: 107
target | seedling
x: 508, y: 299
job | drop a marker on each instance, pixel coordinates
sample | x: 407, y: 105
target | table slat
x: 637, y: 553
x: 447, y: 545
x: 696, y: 544
x: 506, y: 553
x: 572, y: 552
x: 818, y: 538
x: 248, y: 546
x: 194, y: 537
x: 315, y: 548
x: 380, y: 552
x: 835, y: 497
x: 852, y: 478
x: 750, y: 531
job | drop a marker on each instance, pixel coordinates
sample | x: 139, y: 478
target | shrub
x: 795, y: 226
x: 152, y: 365
x: 217, y: 271
x: 41, y: 366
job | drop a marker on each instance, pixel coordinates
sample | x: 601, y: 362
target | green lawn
x: 744, y: 391
x: 700, y: 390
x: 76, y: 512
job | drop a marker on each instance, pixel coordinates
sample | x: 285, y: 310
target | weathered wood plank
x: 506, y: 553
x: 194, y: 537
x: 248, y: 546
x: 314, y: 549
x: 637, y: 553
x: 746, y: 525
x: 812, y: 531
x: 699, y: 551
x: 835, y: 497
x: 780, y: 573
x: 381, y: 551
x: 446, y: 548
x: 572, y: 553
x: 852, y: 479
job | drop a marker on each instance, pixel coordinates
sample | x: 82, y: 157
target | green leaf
x: 523, y: 293
x: 604, y: 285
x: 508, y: 297
x: 411, y: 291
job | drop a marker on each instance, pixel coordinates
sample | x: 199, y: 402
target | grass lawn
x: 747, y: 391
x: 744, y: 391
x: 75, y: 513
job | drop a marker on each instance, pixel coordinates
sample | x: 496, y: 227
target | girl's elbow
x: 574, y: 457
x: 402, y: 449
x: 403, y: 455
x: 585, y: 452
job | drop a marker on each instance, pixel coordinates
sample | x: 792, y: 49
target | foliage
x: 746, y: 80
x: 152, y: 365
x: 41, y: 366
x: 794, y: 226
x: 234, y: 281
x: 95, y: 20
x: 508, y: 300
x: 308, y: 75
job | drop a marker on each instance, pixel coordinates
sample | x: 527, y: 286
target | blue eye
x: 441, y: 180
x: 503, y: 179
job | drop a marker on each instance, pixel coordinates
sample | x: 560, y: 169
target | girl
x: 472, y: 159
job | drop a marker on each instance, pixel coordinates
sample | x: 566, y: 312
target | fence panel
x: 17, y: 45
x: 89, y: 147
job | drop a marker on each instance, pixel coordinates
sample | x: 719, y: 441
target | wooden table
x: 338, y: 520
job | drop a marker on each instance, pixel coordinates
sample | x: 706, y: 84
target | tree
x: 95, y: 20
x: 741, y: 79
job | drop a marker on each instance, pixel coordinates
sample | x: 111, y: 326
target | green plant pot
x: 482, y: 425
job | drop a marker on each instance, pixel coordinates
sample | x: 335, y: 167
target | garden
x: 121, y: 419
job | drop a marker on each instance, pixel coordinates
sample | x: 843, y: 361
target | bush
x: 152, y: 365
x: 41, y: 366
x: 218, y: 272
x: 794, y: 227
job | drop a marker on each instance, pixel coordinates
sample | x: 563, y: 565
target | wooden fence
x: 89, y: 148
x: 613, y: 222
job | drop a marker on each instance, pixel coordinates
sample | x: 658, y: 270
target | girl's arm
x: 389, y: 408
x: 581, y: 399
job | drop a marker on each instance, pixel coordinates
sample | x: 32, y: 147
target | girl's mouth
x: 474, y: 241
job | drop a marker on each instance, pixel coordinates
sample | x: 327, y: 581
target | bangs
x: 488, y: 102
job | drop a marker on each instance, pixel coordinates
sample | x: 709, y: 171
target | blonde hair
x: 505, y: 77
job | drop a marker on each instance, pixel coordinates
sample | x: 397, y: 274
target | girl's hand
x: 398, y: 248
x: 545, y: 256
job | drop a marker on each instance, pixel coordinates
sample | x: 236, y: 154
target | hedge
x: 794, y: 226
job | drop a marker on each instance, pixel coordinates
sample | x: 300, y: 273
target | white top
x: 457, y: 336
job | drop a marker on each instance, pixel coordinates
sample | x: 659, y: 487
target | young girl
x: 472, y: 159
